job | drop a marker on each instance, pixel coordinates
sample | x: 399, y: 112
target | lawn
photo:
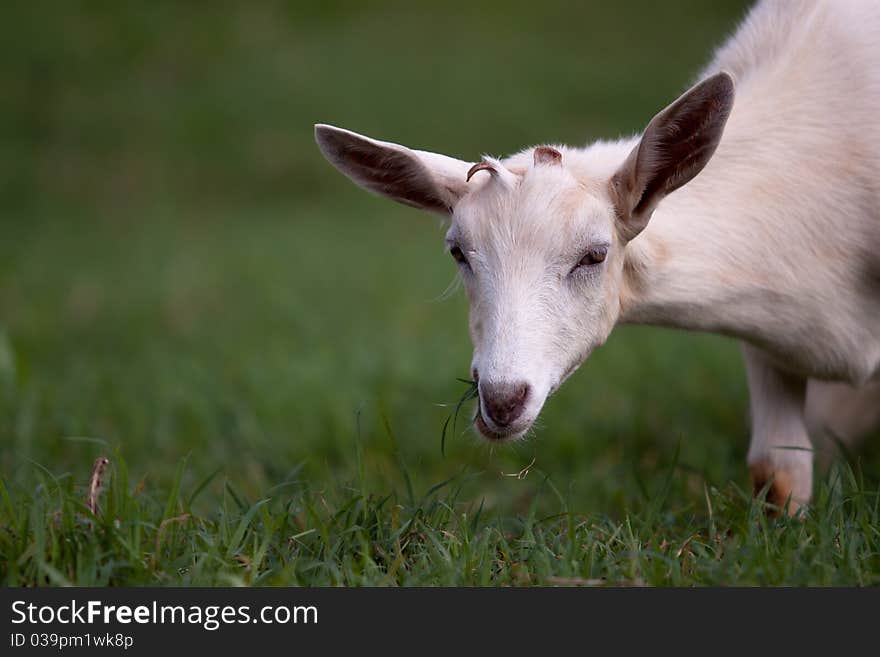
x: 268, y: 356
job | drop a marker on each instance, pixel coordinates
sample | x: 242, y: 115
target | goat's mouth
x: 489, y: 430
x: 494, y: 435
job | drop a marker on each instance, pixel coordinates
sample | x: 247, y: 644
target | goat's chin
x: 494, y: 436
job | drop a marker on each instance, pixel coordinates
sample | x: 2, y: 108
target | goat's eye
x: 457, y: 255
x: 594, y: 256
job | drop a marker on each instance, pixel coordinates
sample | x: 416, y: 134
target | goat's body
x: 778, y: 240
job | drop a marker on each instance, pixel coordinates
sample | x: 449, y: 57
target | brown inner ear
x: 674, y: 148
x: 683, y: 145
x: 392, y: 173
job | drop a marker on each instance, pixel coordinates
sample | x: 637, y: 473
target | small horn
x: 480, y: 166
x: 547, y: 155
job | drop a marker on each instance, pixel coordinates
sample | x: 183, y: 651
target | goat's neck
x: 694, y: 267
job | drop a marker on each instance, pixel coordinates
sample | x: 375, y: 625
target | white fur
x: 776, y: 242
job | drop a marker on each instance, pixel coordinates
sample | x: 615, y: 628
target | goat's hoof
x: 786, y: 493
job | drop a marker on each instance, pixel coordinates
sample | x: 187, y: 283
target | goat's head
x: 540, y: 239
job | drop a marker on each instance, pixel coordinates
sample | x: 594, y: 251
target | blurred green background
x: 181, y: 273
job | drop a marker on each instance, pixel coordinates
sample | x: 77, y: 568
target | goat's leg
x: 780, y: 452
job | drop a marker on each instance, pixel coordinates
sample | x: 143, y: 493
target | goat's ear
x: 423, y: 180
x: 674, y: 148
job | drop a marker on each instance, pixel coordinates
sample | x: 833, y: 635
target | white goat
x: 777, y: 243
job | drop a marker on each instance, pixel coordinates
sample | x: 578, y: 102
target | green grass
x: 264, y: 353
x: 347, y: 535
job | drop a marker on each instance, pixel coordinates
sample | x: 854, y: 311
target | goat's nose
x: 503, y: 402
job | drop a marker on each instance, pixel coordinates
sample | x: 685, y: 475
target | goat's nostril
x: 504, y: 403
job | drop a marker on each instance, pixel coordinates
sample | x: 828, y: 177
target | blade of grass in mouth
x: 469, y: 394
